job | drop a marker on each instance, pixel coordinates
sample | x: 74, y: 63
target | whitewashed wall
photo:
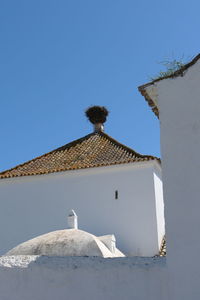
x: 34, y: 205
x: 159, y: 205
x: 179, y: 106
x: 83, y: 278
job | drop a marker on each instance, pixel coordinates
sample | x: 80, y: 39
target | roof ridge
x: 176, y: 73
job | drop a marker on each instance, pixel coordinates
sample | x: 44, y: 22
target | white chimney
x: 72, y: 220
x: 98, y: 127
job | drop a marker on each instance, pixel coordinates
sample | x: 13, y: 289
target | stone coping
x: 57, y: 262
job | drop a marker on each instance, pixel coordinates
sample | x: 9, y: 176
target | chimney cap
x: 72, y: 213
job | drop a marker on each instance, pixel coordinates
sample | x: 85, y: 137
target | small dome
x: 68, y: 242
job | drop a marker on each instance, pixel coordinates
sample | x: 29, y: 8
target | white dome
x: 68, y: 242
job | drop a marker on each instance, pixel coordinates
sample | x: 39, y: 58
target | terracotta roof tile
x: 94, y: 150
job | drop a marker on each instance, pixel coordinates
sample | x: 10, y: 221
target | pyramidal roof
x: 94, y: 150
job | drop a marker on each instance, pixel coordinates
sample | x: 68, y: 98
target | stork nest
x: 97, y: 114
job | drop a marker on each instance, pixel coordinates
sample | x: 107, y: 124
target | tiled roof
x: 177, y: 73
x: 94, y: 150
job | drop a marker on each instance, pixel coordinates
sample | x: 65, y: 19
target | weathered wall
x: 83, y: 278
x: 179, y: 107
x: 34, y: 205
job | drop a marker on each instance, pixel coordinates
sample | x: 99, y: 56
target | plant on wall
x: 170, y: 67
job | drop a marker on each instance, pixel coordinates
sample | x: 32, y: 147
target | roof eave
x: 150, y: 160
x: 151, y: 100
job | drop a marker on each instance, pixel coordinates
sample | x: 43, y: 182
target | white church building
x: 121, y: 183
x: 112, y: 188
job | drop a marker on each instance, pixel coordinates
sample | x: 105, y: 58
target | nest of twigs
x: 97, y: 114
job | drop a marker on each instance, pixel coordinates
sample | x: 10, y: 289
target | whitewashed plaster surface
x: 179, y: 109
x: 34, y: 205
x: 77, y: 278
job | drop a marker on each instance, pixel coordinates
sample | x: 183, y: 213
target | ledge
x: 55, y: 262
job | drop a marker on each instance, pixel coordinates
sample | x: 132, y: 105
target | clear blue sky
x: 59, y: 57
